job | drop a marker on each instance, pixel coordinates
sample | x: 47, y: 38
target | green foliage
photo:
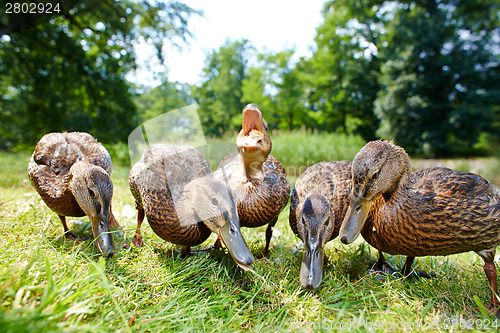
x: 166, y: 97
x: 438, y: 75
x: 423, y: 73
x: 344, y: 68
x: 220, y: 95
x: 276, y: 86
x: 253, y: 88
x: 69, y: 73
x: 119, y: 153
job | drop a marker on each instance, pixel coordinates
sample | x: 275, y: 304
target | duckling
x: 174, y: 188
x: 434, y: 211
x: 71, y: 173
x: 318, y: 204
x: 258, y: 179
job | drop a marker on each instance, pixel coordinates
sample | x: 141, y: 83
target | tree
x: 439, y: 73
x: 220, y: 96
x: 166, y: 97
x: 275, y: 84
x: 256, y: 88
x: 344, y: 68
x: 69, y: 73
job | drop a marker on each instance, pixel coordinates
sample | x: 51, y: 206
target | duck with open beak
x: 258, y: 179
x: 252, y: 140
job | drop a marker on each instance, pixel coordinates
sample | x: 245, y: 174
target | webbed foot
x: 69, y: 234
x: 382, y: 267
x: 421, y: 274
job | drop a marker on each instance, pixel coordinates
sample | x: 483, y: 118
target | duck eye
x: 375, y: 175
x: 91, y: 193
x: 214, y: 202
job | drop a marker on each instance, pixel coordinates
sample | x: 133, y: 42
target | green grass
x: 293, y: 149
x: 49, y: 284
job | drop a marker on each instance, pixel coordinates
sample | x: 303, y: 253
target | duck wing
x: 446, y: 183
x: 91, y: 150
x: 261, y: 202
x: 157, y: 181
x: 166, y: 167
x: 442, y: 212
x: 54, y: 155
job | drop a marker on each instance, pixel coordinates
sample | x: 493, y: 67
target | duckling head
x: 93, y: 190
x: 253, y: 142
x: 315, y: 225
x: 378, y: 169
x: 214, y: 203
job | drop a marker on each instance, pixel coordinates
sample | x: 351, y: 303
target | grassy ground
x: 49, y: 284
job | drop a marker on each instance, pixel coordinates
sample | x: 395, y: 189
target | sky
x: 270, y: 25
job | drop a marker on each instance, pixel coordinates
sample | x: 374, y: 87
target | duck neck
x: 77, y: 185
x: 402, y: 183
x: 253, y: 166
x: 373, y: 215
x: 374, y: 228
x: 184, y: 208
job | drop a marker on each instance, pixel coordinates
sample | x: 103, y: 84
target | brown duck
x: 173, y: 187
x: 317, y: 207
x: 71, y: 172
x: 259, y: 179
x: 434, y: 211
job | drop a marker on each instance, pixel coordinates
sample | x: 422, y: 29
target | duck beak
x: 103, y: 238
x: 252, y: 127
x: 311, y: 270
x: 232, y: 238
x: 252, y: 119
x: 354, y: 220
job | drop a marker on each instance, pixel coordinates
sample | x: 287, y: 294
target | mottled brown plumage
x: 173, y: 187
x: 71, y: 172
x: 317, y: 207
x: 258, y: 179
x: 332, y: 180
x: 434, y: 211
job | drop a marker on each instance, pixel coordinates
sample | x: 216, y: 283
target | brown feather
x: 439, y: 212
x: 434, y: 211
x: 258, y: 179
x: 50, y: 164
x: 259, y: 201
x: 157, y: 181
x: 330, y: 179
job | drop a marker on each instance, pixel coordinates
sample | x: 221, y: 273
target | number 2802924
x: 32, y: 8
